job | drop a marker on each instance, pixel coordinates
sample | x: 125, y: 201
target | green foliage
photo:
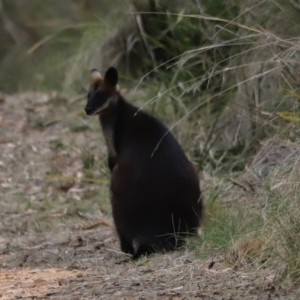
x: 282, y: 222
x: 223, y: 226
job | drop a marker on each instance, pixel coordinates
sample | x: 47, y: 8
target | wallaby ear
x: 95, y: 76
x: 111, y: 77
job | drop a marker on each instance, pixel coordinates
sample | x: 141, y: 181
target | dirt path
x: 49, y: 154
x: 87, y: 265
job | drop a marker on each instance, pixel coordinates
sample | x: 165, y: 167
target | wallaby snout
x: 88, y: 110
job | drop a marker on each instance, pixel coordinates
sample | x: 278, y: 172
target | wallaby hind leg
x: 126, y: 246
x: 139, y: 249
x: 143, y: 248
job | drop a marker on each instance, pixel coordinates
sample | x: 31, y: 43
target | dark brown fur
x: 155, y: 192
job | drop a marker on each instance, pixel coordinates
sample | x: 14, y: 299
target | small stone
x: 63, y: 281
x: 40, y: 282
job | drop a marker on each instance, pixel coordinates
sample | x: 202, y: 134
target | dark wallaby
x: 155, y: 194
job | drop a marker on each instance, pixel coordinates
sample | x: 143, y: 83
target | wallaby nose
x: 88, y: 110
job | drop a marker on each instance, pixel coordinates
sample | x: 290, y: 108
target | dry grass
x: 56, y: 227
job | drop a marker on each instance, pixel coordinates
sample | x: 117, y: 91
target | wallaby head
x: 102, y: 92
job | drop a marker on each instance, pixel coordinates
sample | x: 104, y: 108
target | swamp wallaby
x: 155, y: 194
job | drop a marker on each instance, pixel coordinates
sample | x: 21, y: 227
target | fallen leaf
x: 177, y: 288
x: 218, y: 271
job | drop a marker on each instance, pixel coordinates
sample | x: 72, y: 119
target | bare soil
x: 57, y: 239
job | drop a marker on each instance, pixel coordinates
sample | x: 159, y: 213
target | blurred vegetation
x: 39, y: 40
x: 223, y: 74
x: 227, y: 71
